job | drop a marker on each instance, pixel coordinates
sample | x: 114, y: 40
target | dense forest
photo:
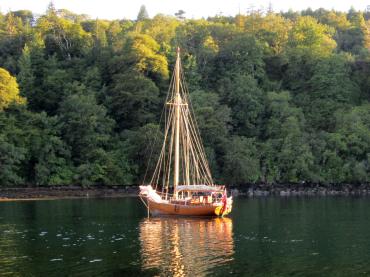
x: 279, y: 97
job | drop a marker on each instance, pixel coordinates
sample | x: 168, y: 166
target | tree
x: 243, y: 55
x: 142, y: 54
x: 286, y: 155
x: 199, y: 42
x: 272, y: 29
x: 11, y: 157
x: 86, y: 129
x: 132, y: 100
x: 162, y: 29
x: 26, y: 16
x: 309, y: 36
x: 9, y: 91
x: 26, y: 77
x: 13, y: 36
x: 120, y: 170
x: 62, y: 36
x: 143, y: 14
x: 214, y: 122
x: 54, y: 89
x: 241, y: 161
x: 357, y: 36
x: 213, y: 118
x: 143, y: 148
x: 242, y: 94
x: 329, y: 89
x: 180, y: 14
x: 295, y: 159
x: 85, y: 126
x: 354, y: 129
x: 47, y: 157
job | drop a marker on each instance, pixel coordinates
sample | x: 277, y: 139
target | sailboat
x: 182, y: 182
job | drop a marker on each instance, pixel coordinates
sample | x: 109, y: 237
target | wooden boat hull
x: 179, y: 209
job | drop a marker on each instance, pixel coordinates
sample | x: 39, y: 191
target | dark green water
x: 112, y: 237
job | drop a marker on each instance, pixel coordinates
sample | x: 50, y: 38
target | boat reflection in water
x: 185, y: 246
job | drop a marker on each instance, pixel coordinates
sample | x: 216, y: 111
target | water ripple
x: 186, y: 246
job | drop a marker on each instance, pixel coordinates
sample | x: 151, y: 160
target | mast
x: 177, y: 123
x: 184, y: 162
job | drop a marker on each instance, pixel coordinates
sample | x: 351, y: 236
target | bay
x: 318, y: 236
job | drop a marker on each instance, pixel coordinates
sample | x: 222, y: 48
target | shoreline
x: 302, y: 189
x: 248, y: 190
x: 72, y: 192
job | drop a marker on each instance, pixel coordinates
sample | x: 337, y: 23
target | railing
x: 193, y: 199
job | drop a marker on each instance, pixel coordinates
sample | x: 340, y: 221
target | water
x: 109, y: 237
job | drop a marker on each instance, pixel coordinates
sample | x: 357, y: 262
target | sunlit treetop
x: 308, y: 35
x: 9, y: 91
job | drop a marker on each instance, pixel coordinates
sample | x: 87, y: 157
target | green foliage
x: 85, y: 125
x: 25, y: 15
x: 49, y: 153
x: 143, y: 147
x: 278, y: 97
x: 162, y: 29
x: 132, y: 100
x: 295, y: 157
x: 25, y: 77
x: 354, y: 128
x: 87, y: 129
x: 142, y: 53
x: 45, y: 156
x: 241, y: 161
x: 241, y: 55
x: 309, y: 36
x: 214, y: 122
x: 212, y: 117
x: 11, y: 157
x: 271, y: 29
x: 327, y: 88
x: 242, y: 94
x: 200, y: 40
x: 356, y: 36
x: 63, y: 37
x: 287, y: 156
